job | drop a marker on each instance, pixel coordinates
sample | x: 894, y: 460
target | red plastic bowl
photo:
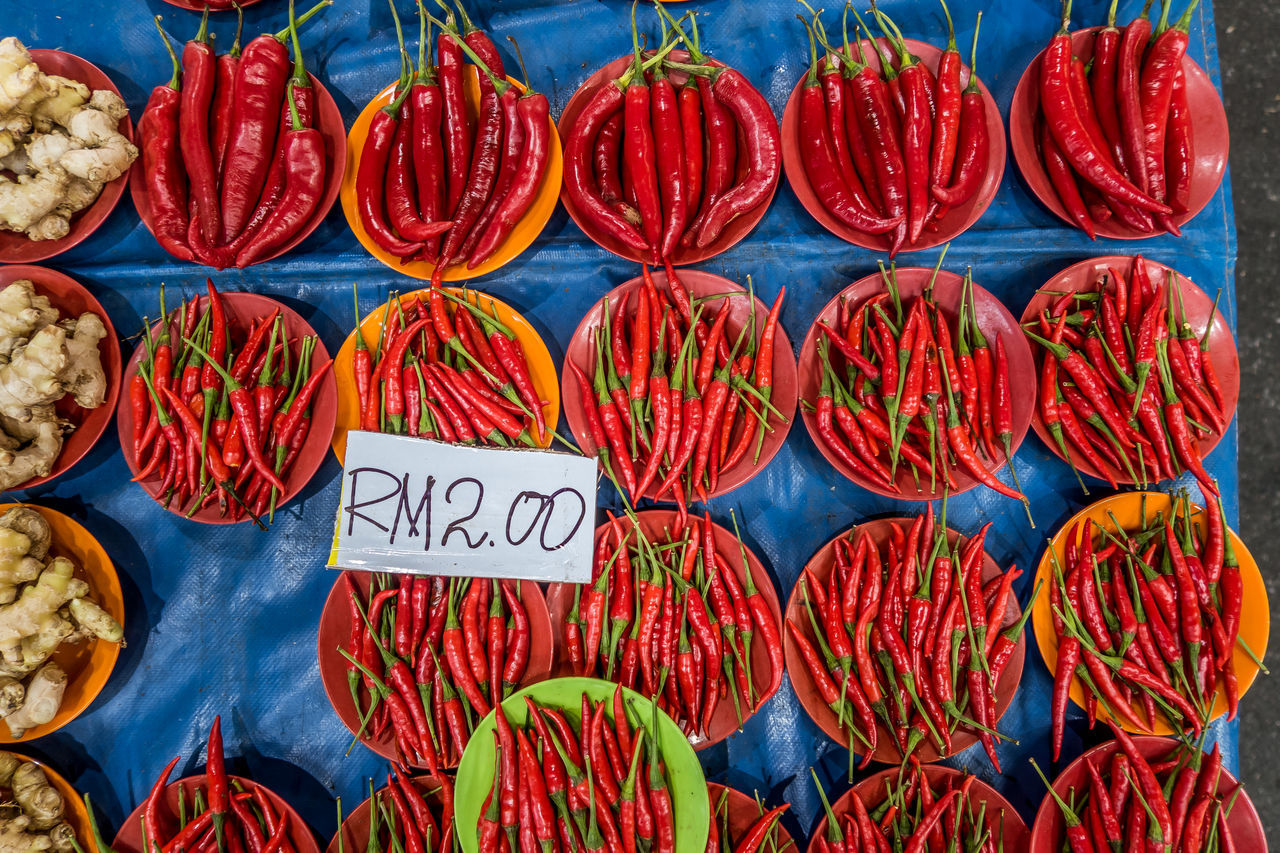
x: 72, y: 299
x: 242, y: 309
x: 820, y: 565
x: 15, y: 248
x: 872, y: 792
x: 354, y: 832
x: 653, y: 522
x: 742, y: 813
x: 129, y: 838
x: 329, y: 123
x: 581, y: 351
x: 954, y: 223
x: 335, y: 629
x: 1084, y: 276
x: 1210, y: 139
x: 995, y: 321
x: 733, y: 232
x: 1048, y: 833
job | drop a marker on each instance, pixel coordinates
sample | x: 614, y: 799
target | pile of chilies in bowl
x: 911, y: 809
x: 1146, y: 793
x: 223, y: 811
x: 573, y: 789
x: 234, y: 167
x: 1126, y: 382
x: 447, y: 368
x: 916, y: 387
x: 674, y: 400
x: 226, y: 422
x: 661, y: 172
x: 433, y: 658
x: 408, y: 814
x: 1149, y: 619
x: 1116, y: 140
x: 430, y: 185
x: 891, y: 151
x: 941, y: 647
x: 668, y: 615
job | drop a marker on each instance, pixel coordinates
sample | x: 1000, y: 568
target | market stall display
x: 245, y: 605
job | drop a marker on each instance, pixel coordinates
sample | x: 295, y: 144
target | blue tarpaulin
x: 223, y: 619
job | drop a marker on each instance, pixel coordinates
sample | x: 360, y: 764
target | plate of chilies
x: 1192, y: 310
x: 820, y: 583
x: 177, y: 799
x: 724, y: 161
x: 667, y: 769
x: 954, y: 220
x: 1205, y: 123
x: 747, y: 446
x: 1205, y: 800
x: 528, y: 345
x: 524, y: 232
x: 72, y: 298
x: 422, y: 805
x: 865, y: 808
x: 267, y: 231
x: 244, y: 312
x: 690, y: 689
x: 16, y: 248
x: 741, y: 823
x: 995, y: 322
x: 529, y: 635
x: 1242, y: 602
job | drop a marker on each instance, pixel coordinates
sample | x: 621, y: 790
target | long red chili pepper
x: 162, y: 161
x: 198, y: 73
x: 370, y: 180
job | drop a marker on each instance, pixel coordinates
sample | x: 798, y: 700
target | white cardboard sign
x: 414, y: 505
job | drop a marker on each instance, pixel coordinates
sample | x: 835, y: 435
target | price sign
x: 411, y: 505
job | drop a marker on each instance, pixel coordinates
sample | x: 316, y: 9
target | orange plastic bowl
x: 335, y: 630
x: 733, y: 232
x: 1209, y: 139
x: 88, y: 665
x: 243, y: 309
x: 1048, y: 833
x: 328, y: 122
x: 955, y: 222
x: 995, y: 321
x: 654, y: 522
x: 15, y: 248
x: 129, y: 838
x: 820, y: 565
x: 1085, y: 276
x: 581, y: 351
x: 72, y: 299
x: 1131, y: 509
x: 526, y: 230
x: 73, y: 808
x: 872, y: 792
x: 541, y: 368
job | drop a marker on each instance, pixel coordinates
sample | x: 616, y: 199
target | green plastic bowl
x: 684, y: 773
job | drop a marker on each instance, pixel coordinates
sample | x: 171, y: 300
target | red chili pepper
x: 261, y: 79
x: 973, y: 158
x: 457, y: 129
x: 162, y: 161
x: 197, y: 96
x: 370, y: 179
x: 304, y: 184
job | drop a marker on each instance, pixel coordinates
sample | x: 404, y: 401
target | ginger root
x: 41, y: 360
x: 39, y: 800
x: 44, y: 697
x: 61, y: 141
x: 32, y: 810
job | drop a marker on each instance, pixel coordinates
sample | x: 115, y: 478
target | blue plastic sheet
x: 223, y: 620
